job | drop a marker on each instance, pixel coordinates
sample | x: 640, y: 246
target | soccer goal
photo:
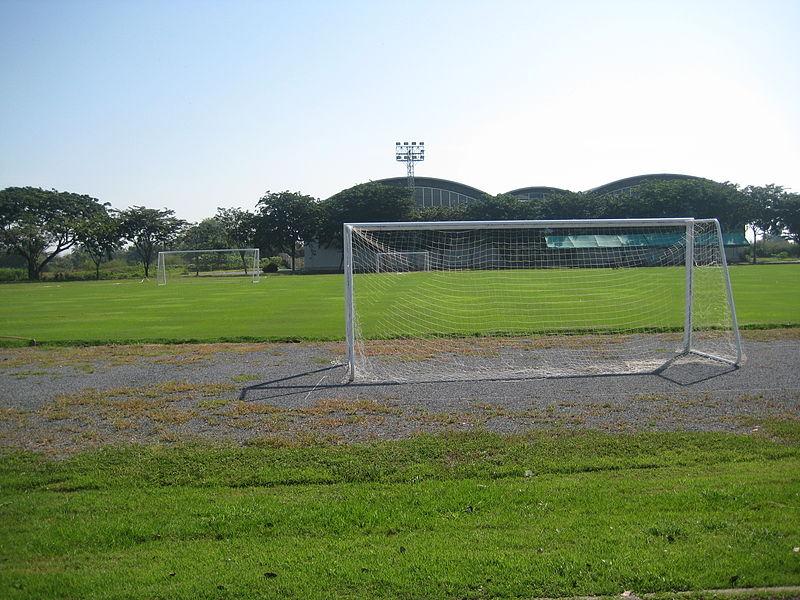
x: 228, y: 263
x: 517, y: 299
x: 402, y: 262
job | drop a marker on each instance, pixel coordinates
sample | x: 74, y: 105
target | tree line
x: 39, y: 225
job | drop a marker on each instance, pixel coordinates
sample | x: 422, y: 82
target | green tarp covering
x: 637, y: 240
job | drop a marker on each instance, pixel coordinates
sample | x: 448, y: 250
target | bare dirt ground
x: 61, y: 400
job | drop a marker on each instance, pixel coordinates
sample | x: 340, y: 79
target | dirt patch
x: 283, y: 394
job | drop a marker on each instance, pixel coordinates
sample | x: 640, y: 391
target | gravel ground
x: 61, y: 400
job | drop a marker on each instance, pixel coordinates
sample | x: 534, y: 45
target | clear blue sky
x: 194, y: 105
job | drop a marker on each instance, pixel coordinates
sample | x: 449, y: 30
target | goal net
x: 228, y: 264
x: 515, y: 299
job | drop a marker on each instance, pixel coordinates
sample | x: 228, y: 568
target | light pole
x: 409, y: 153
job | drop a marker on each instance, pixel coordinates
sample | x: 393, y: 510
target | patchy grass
x: 89, y: 358
x: 784, y: 429
x: 112, y: 404
x: 327, y: 406
x: 771, y: 335
x: 467, y: 516
x: 244, y: 378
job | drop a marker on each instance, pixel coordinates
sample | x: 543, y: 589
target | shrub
x: 272, y: 264
x: 10, y: 274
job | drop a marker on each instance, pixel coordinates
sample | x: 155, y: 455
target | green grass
x: 455, y: 516
x: 311, y: 307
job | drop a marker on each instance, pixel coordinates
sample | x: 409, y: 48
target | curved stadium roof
x: 631, y: 182
x: 434, y: 182
x: 534, y: 192
x: 432, y: 191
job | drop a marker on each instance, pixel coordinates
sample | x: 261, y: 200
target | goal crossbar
x: 696, y: 246
x: 521, y: 224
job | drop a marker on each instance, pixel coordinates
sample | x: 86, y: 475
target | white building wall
x: 321, y: 259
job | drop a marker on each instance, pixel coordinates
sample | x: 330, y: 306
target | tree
x: 208, y: 234
x: 148, y: 229
x: 760, y: 214
x: 698, y: 198
x: 499, y: 208
x: 787, y: 216
x: 367, y: 202
x: 239, y: 227
x: 286, y: 219
x: 99, y: 236
x: 439, y: 213
x: 40, y: 224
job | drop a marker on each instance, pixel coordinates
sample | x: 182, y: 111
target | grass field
x: 548, y: 514
x: 279, y: 308
x: 451, y: 516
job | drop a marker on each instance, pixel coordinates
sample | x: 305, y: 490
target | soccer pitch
x: 308, y: 307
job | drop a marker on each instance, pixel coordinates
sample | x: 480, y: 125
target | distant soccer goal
x: 402, y: 262
x: 227, y: 263
x: 506, y: 299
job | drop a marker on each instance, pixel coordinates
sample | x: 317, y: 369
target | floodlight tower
x: 409, y: 153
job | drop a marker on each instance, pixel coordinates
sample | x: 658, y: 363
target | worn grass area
x: 311, y: 307
x: 466, y: 516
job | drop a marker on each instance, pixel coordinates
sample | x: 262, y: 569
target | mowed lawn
x: 453, y: 516
x: 311, y: 307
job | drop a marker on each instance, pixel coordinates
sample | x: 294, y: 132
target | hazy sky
x: 194, y: 105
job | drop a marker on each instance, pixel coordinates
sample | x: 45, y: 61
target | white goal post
x: 217, y: 262
x: 517, y: 299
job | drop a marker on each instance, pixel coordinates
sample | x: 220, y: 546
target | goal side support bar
x: 688, y: 325
x: 349, y: 313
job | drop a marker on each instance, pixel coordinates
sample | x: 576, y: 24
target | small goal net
x: 506, y: 299
x: 227, y: 264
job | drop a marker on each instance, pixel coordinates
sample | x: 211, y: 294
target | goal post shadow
x: 681, y: 370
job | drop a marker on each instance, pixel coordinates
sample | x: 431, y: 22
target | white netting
x: 534, y: 300
x: 230, y: 264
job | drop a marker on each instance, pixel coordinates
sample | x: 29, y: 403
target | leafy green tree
x: 363, y: 203
x: 239, y: 227
x: 499, y: 208
x: 208, y: 234
x: 787, y: 216
x: 760, y: 210
x: 149, y: 229
x: 440, y: 213
x: 577, y: 205
x: 285, y: 220
x: 99, y: 236
x: 40, y: 224
x: 699, y: 198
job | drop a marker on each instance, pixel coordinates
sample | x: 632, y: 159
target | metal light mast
x: 409, y: 153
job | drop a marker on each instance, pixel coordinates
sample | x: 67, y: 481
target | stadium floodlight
x: 409, y: 153
x: 518, y: 299
x: 227, y: 263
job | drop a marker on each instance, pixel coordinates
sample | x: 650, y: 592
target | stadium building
x: 434, y: 192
